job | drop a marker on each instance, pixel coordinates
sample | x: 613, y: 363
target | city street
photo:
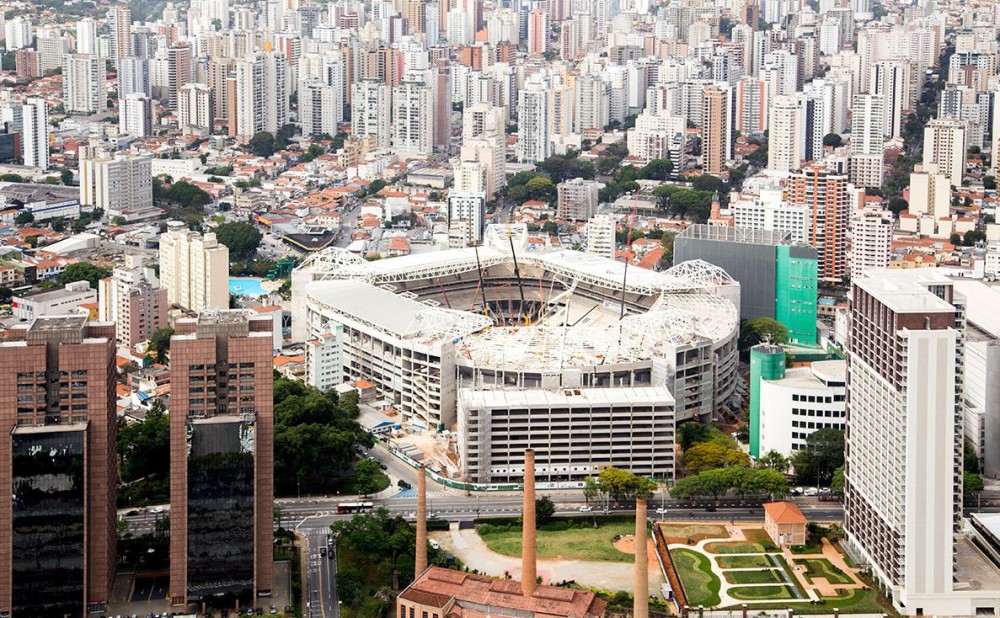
x: 321, y: 566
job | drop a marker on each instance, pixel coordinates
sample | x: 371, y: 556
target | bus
x: 345, y: 508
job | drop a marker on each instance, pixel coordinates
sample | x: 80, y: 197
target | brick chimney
x: 528, y: 555
x: 641, y: 607
x: 420, y: 562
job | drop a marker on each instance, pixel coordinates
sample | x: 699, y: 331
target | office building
x: 784, y: 152
x: 903, y: 455
x: 777, y: 278
x: 370, y: 110
x: 122, y: 185
x: 35, y: 138
x: 716, y: 129
x: 135, y: 115
x: 944, y: 145
x: 66, y: 300
x: 84, y: 84
x: 195, y: 109
x: 120, y: 24
x: 867, y: 139
x: 412, y: 119
x: 578, y: 199
x: 871, y: 241
x: 788, y: 405
x: 194, y: 269
x: 827, y: 195
x: 222, y: 458
x: 132, y: 299
x: 601, y: 236
x: 58, y: 466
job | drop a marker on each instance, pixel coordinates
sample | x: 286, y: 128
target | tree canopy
x: 761, y: 330
x: 242, y: 239
x: 524, y: 186
x: 623, y: 485
x: 144, y: 458
x: 83, y: 271
x: 720, y: 452
x: 822, y: 455
x: 159, y: 344
x: 262, y: 144
x: 559, y: 168
x: 743, y: 482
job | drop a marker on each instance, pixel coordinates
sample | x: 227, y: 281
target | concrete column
x: 420, y: 561
x: 641, y: 598
x: 528, y: 549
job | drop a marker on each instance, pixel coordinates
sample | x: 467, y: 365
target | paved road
x: 321, y: 567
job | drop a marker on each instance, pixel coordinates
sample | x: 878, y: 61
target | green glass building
x: 795, y: 292
x: 767, y: 362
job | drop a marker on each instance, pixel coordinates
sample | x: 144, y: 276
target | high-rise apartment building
x: 35, y: 136
x: 370, y: 110
x: 827, y: 195
x: 122, y: 185
x: 751, y: 106
x: 895, y: 82
x: 195, y: 109
x: 317, y: 108
x: 179, y: 72
x: 944, y: 145
x: 261, y: 99
x: 222, y: 457
x: 194, y: 269
x: 871, y: 241
x: 784, y: 138
x: 413, y: 118
x: 577, y: 199
x: 930, y: 192
x: 601, y: 236
x: 86, y: 36
x: 133, y: 300
x: 135, y: 115
x: 120, y: 24
x: 58, y: 467
x: 867, y: 139
x: 534, y: 143
x: 18, y: 33
x: 469, y: 208
x: 84, y: 84
x: 592, y: 104
x: 716, y: 128
x: 903, y: 453
x: 772, y: 212
x: 133, y: 76
x: 538, y: 31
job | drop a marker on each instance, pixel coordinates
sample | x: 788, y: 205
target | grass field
x: 821, y: 567
x: 754, y: 593
x: 744, y: 562
x: 765, y: 576
x: 701, y: 584
x: 758, y: 536
x: 689, y: 534
x: 582, y: 543
x: 734, y: 547
x: 858, y: 601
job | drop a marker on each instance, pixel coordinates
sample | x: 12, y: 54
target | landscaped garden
x: 821, y: 567
x: 761, y: 593
x: 568, y: 540
x: 734, y: 547
x: 744, y: 562
x: 701, y: 584
x: 690, y: 534
x: 756, y: 576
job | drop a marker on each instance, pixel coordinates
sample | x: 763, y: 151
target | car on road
x: 383, y: 466
x: 322, y: 551
x: 156, y: 510
x: 585, y: 509
x: 434, y: 544
x: 661, y: 511
x: 433, y: 516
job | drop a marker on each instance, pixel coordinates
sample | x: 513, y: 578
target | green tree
x: 832, y: 140
x: 545, y: 509
x: 773, y: 460
x: 623, y: 485
x: 66, y: 176
x: 83, y: 271
x: 144, y: 458
x: 721, y: 452
x: 761, y: 330
x: 898, y: 205
x: 24, y: 217
x: 971, y: 483
x: 11, y: 178
x: 690, y: 433
x: 262, y: 144
x: 822, y: 455
x: 657, y: 169
x: 955, y: 239
x: 710, y: 184
x: 550, y: 227
x: 159, y: 344
x: 58, y: 224
x: 837, y: 484
x: 974, y: 236
x: 367, y: 476
x: 241, y: 238
x: 591, y: 487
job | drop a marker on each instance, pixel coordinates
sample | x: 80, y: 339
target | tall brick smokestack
x: 421, y: 558
x: 528, y: 570
x: 641, y: 607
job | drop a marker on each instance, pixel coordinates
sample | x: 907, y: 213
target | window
x: 402, y: 611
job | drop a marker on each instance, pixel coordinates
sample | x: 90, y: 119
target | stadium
x: 515, y: 344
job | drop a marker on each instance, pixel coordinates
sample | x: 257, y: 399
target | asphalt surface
x: 321, y: 567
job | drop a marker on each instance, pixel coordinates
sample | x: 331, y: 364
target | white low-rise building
x: 324, y: 359
x: 54, y: 302
x: 806, y: 399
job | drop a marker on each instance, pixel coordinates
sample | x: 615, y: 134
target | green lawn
x: 758, y: 536
x: 734, y: 547
x: 753, y: 593
x: 858, y: 602
x: 821, y: 567
x: 765, y: 576
x: 701, y: 584
x: 583, y: 543
x: 692, y: 533
x: 743, y: 562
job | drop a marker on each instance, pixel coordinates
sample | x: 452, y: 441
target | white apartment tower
x: 470, y: 208
x: 784, y: 136
x: 195, y: 109
x: 534, y: 143
x: 370, y: 109
x: 121, y: 185
x: 35, y: 117
x: 261, y: 96
x: 84, y: 84
x: 601, y: 235
x: 133, y: 299
x: 120, y: 24
x: 944, y: 145
x: 317, y: 108
x: 867, y: 139
x: 593, y: 103
x: 135, y: 115
x: 86, y: 36
x: 413, y: 119
x: 895, y: 82
x: 930, y: 192
x: 194, y: 269
x: 903, y: 455
x: 871, y: 239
